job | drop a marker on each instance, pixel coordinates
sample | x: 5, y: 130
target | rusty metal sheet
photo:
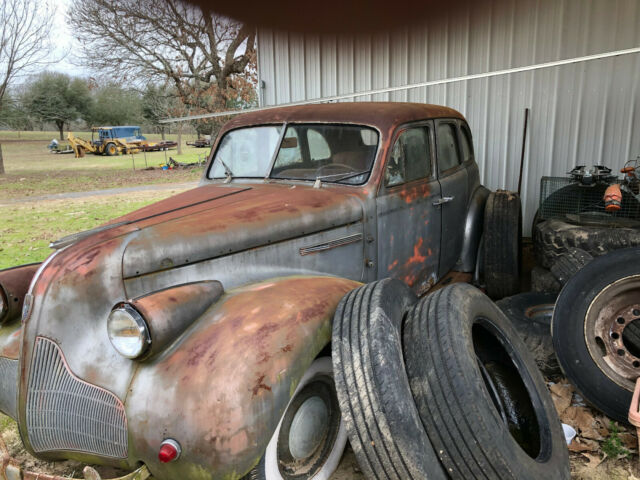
x: 221, y: 391
x: 266, y: 214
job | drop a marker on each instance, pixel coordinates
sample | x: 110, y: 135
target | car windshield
x: 331, y: 153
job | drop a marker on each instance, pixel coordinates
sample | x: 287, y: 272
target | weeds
x: 612, y: 447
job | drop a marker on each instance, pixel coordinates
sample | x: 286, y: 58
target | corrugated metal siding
x: 582, y: 113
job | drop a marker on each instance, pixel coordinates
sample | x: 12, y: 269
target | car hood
x: 216, y: 220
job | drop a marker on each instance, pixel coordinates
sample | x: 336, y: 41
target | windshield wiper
x: 227, y: 171
x: 342, y: 176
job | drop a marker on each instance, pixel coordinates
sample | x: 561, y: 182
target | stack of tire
x: 441, y: 387
x: 564, y: 245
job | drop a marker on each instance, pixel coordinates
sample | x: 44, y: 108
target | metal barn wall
x: 584, y: 113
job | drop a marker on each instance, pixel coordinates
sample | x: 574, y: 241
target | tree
x: 115, y: 105
x: 157, y: 102
x: 25, y: 27
x: 207, y: 59
x: 57, y: 98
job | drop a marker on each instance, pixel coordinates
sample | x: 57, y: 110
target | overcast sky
x: 64, y: 43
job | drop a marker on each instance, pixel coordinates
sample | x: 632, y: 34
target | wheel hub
x: 612, y: 331
x: 308, y: 428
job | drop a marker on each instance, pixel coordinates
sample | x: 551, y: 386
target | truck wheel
x: 480, y: 396
x: 502, y: 244
x: 110, y: 149
x: 530, y: 314
x: 554, y: 238
x: 569, y: 264
x: 384, y: 427
x: 596, y: 331
x: 311, y: 436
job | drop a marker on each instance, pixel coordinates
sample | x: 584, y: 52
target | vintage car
x: 189, y: 338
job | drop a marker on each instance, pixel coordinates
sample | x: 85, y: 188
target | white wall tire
x: 269, y: 466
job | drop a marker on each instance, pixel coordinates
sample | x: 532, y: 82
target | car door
x: 452, y: 176
x: 408, y: 222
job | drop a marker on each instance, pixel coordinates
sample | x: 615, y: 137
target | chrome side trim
x: 331, y: 244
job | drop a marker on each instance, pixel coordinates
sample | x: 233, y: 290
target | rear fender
x: 473, y: 230
x: 221, y: 389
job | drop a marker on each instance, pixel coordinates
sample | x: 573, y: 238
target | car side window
x: 410, y: 157
x: 466, y: 142
x: 448, y: 155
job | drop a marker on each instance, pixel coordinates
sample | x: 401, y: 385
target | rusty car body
x: 238, y: 280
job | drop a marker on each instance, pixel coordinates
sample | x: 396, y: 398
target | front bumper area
x: 10, y: 470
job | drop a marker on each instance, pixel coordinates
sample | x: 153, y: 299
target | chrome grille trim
x: 66, y: 413
x: 9, y: 386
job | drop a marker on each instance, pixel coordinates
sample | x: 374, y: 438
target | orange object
x: 634, y: 413
x: 613, y: 198
x: 628, y: 170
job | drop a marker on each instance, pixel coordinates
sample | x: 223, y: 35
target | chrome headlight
x: 128, y: 331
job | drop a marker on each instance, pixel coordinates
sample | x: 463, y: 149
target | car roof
x: 383, y: 115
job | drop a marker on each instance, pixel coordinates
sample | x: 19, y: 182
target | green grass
x: 31, y: 170
x: 27, y: 228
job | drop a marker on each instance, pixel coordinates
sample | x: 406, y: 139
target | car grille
x: 66, y: 413
x: 8, y: 386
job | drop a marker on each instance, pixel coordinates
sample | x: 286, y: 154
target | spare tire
x: 502, y: 245
x: 595, y: 330
x: 569, y: 264
x: 480, y: 396
x: 554, y: 238
x: 530, y: 314
x: 383, y: 424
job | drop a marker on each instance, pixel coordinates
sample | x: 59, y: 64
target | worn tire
x: 384, y: 427
x: 569, y: 264
x: 554, y: 238
x: 110, y: 149
x: 572, y: 335
x: 502, y: 244
x: 543, y: 281
x: 459, y: 347
x: 326, y: 461
x: 530, y: 314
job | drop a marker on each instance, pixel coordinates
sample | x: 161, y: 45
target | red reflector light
x: 169, y: 451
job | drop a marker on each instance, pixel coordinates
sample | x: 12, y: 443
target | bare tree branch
x: 24, y: 37
x: 208, y: 59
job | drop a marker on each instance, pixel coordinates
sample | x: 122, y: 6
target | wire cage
x: 565, y: 199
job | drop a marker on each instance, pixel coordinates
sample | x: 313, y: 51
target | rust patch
x: 260, y: 385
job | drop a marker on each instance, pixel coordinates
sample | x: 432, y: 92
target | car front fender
x: 221, y: 389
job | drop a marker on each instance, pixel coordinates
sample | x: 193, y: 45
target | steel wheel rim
x: 612, y: 331
x: 307, y: 456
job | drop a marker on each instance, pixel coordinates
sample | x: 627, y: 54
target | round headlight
x: 128, y: 331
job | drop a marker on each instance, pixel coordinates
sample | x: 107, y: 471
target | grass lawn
x: 27, y: 228
x: 31, y: 170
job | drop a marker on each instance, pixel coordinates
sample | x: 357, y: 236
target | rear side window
x: 448, y: 155
x: 467, y: 144
x: 410, y: 157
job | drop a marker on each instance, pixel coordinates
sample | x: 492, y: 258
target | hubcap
x: 308, y: 428
x: 612, y: 331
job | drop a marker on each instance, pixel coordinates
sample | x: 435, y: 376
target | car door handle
x: 442, y: 200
